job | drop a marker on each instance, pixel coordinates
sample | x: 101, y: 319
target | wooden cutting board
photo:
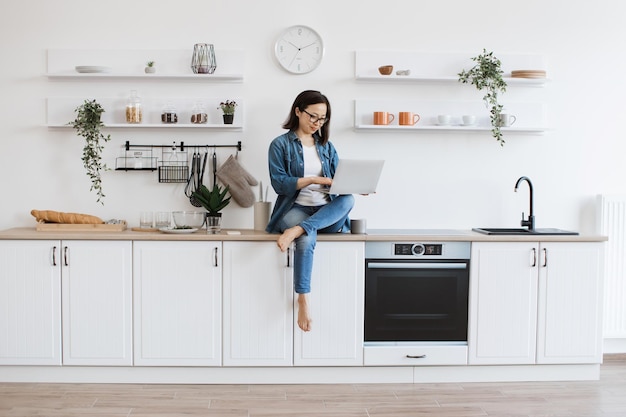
x: 63, y: 227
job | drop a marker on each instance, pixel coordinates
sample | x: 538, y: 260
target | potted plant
x: 487, y: 75
x: 228, y: 108
x: 150, y: 68
x: 88, y: 124
x: 214, y: 201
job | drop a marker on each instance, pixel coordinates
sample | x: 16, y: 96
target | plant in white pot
x: 150, y: 68
x: 487, y: 75
x: 88, y: 124
x: 214, y: 201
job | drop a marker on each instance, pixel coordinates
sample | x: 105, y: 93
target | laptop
x: 355, y: 176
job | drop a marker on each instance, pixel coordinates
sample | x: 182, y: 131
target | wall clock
x: 299, y: 49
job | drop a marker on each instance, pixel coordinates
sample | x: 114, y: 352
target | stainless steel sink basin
x: 521, y: 231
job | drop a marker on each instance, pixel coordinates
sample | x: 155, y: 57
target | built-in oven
x: 416, y: 292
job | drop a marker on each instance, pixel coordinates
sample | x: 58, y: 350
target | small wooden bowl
x: 385, y: 69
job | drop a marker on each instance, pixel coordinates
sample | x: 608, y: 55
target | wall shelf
x: 60, y: 111
x: 522, y: 82
x: 129, y: 64
x: 148, y: 77
x: 530, y: 116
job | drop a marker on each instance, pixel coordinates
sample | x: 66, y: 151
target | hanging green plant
x: 88, y: 124
x: 487, y: 75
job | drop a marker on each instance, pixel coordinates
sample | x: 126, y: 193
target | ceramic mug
x: 444, y: 119
x: 408, y: 119
x: 507, y: 120
x: 383, y: 118
x: 469, y: 120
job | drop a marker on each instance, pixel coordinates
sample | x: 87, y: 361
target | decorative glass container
x: 203, y: 60
x: 134, y: 111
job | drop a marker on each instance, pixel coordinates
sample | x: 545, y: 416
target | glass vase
x: 203, y: 59
x: 214, y: 223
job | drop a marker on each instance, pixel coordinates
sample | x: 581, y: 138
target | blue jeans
x: 328, y: 218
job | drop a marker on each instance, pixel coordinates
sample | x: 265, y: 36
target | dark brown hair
x: 305, y: 99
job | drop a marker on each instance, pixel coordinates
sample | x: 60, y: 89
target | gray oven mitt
x: 239, y: 180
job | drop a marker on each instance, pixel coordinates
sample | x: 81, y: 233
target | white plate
x: 178, y: 231
x: 90, y: 69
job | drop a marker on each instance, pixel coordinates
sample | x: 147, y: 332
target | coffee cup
x: 383, y: 118
x: 408, y: 119
x: 506, y: 120
x: 444, y: 119
x: 469, y: 120
x: 358, y: 226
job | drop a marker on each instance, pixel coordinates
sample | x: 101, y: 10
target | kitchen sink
x: 521, y: 231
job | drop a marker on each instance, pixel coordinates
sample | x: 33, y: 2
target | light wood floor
x: 603, y: 398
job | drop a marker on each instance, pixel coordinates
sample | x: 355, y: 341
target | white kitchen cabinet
x: 97, y: 302
x: 30, y: 302
x: 336, y: 304
x: 570, y: 303
x: 177, y: 300
x: 258, y: 304
x: 535, y: 302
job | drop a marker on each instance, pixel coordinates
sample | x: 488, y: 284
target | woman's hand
x: 305, y: 181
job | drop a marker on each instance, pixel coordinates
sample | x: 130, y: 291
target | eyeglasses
x: 316, y: 119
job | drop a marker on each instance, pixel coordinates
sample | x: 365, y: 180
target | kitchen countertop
x: 418, y: 235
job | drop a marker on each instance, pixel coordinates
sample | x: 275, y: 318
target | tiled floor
x: 603, y: 398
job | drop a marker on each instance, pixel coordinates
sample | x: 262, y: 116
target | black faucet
x: 530, y: 223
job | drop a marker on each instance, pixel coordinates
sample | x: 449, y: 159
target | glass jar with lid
x: 134, y: 110
x: 169, y: 114
x: 198, y: 113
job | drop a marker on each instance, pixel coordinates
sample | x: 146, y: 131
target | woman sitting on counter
x: 302, y: 162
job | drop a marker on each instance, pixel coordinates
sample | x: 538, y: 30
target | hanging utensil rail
x: 182, y: 146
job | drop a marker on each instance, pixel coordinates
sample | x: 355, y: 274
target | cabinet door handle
x: 545, y: 257
x: 215, y: 257
x: 534, y: 264
x: 416, y: 356
x: 54, y: 256
x: 289, y: 257
x: 65, y: 250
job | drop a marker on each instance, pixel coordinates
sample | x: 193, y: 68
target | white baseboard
x: 614, y: 346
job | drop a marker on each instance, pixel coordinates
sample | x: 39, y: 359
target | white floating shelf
x: 528, y: 82
x: 162, y: 126
x: 146, y: 77
x: 458, y: 128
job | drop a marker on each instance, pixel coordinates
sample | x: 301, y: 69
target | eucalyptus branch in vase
x: 487, y: 75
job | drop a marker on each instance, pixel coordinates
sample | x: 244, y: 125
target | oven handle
x: 416, y: 265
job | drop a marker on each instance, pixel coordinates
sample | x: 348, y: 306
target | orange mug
x: 409, y: 119
x: 383, y: 118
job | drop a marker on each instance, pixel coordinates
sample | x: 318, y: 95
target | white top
x: 309, y: 195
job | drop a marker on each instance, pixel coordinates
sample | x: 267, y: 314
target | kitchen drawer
x: 415, y: 355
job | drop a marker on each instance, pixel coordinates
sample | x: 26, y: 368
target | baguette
x: 51, y: 216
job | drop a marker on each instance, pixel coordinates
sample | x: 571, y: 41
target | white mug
x: 469, y: 120
x: 444, y: 119
x: 507, y: 120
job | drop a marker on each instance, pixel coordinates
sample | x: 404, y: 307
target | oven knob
x: 418, y: 249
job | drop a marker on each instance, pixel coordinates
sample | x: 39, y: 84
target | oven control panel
x: 417, y: 249
x: 412, y: 250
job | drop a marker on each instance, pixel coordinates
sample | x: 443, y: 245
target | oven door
x: 409, y: 300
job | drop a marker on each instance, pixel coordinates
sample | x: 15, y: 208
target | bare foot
x: 304, y: 318
x: 289, y: 236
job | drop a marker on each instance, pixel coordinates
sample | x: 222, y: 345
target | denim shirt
x: 286, y: 165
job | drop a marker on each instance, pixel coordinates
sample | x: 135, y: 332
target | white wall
x: 431, y: 179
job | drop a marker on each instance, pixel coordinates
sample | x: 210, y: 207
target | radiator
x: 612, y: 223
